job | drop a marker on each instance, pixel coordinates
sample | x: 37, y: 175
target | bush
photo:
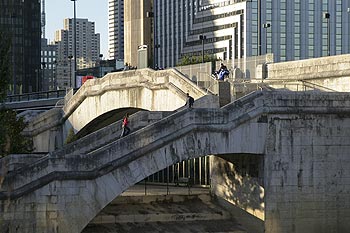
x: 11, y: 139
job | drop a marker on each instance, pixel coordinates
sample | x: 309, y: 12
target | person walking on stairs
x: 189, y: 101
x: 125, y: 128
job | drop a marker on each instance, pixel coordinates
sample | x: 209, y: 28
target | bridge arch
x: 163, y: 90
x: 105, y: 119
x: 134, y: 158
x: 146, y: 89
x: 296, y: 133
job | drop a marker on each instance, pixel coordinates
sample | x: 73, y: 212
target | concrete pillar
x: 224, y: 93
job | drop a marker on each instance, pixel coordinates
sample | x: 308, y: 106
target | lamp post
x: 54, y: 75
x: 157, y: 46
x: 70, y: 70
x: 75, y: 44
x: 326, y: 16
x: 150, y: 15
x: 43, y: 64
x: 202, y: 38
x: 266, y: 26
x: 100, y: 56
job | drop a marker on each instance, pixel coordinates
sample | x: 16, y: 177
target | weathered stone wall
x: 75, y: 185
x: 238, y: 179
x: 46, y: 130
x: 304, y: 137
x: 307, y: 175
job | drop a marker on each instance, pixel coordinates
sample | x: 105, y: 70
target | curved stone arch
x: 105, y: 119
x: 104, y: 189
x: 145, y: 89
x: 92, y: 182
x: 254, y: 124
x: 156, y: 90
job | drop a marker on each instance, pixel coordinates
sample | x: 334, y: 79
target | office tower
x: 48, y: 57
x: 301, y: 29
x: 116, y: 29
x: 232, y: 29
x: 137, y: 29
x: 88, y: 49
x: 20, y: 21
x: 48, y: 65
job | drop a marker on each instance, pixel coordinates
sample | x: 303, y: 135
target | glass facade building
x: 20, y: 21
x: 291, y: 30
x: 116, y: 29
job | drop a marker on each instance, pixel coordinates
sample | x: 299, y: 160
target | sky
x: 93, y: 10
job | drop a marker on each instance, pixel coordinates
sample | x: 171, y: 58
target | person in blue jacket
x: 223, y: 71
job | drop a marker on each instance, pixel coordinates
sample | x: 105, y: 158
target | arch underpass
x: 146, y: 89
x: 105, y: 120
x: 67, y: 188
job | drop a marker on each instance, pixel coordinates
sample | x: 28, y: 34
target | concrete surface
x: 303, y: 138
x: 133, y: 212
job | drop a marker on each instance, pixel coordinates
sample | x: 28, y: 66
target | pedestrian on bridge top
x: 222, y: 72
x: 189, y: 101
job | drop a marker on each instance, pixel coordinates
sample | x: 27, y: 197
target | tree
x: 11, y: 139
x: 187, y: 60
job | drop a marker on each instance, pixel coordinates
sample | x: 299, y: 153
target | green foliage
x: 71, y: 137
x: 189, y: 60
x: 5, y: 70
x: 11, y: 127
x: 11, y: 139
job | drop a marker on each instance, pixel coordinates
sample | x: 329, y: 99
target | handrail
x: 317, y: 85
x: 299, y: 80
x: 231, y: 117
x: 37, y: 96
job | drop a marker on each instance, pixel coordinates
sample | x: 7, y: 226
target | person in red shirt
x: 125, y: 128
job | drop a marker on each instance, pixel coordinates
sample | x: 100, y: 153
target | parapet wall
x: 140, y: 89
x: 331, y: 72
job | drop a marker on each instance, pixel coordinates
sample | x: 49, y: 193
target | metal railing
x: 37, y: 96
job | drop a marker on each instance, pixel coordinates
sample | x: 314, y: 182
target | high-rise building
x: 232, y: 29
x: 48, y: 65
x: 87, y: 47
x: 137, y: 29
x: 20, y: 21
x: 116, y: 29
x: 48, y: 57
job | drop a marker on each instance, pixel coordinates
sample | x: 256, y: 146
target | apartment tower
x: 88, y: 49
x: 116, y: 29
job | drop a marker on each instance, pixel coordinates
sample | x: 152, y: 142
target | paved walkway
x: 164, y: 209
x: 156, y: 189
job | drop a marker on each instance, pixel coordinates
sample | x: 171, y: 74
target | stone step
x: 158, y: 217
x: 209, y: 226
x: 160, y: 208
x: 133, y: 212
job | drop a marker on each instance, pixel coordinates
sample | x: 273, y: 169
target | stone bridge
x: 109, y: 98
x: 301, y: 139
